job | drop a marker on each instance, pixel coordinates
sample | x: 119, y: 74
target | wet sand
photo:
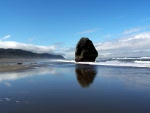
x: 8, y: 65
x: 57, y: 87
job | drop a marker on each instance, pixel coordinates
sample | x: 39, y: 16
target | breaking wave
x: 121, y: 62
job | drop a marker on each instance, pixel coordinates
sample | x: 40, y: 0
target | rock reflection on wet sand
x: 85, y: 75
x: 73, y: 88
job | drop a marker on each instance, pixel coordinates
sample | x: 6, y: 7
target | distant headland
x: 18, y: 54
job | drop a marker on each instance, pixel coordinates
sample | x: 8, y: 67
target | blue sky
x: 116, y: 27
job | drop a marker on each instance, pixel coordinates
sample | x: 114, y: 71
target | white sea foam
x: 136, y: 63
x: 145, y: 57
x: 142, y: 62
x: 126, y: 58
x: 127, y: 64
x: 67, y: 61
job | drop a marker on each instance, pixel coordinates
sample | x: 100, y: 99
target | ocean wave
x: 128, y: 58
x: 142, y: 62
x: 135, y: 63
x: 117, y: 63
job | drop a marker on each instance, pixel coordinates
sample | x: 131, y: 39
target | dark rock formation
x: 85, y: 51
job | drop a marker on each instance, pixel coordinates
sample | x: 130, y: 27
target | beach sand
x: 8, y: 65
x: 55, y: 87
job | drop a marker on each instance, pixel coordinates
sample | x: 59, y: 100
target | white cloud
x: 133, y: 30
x: 56, y: 48
x: 28, y: 47
x: 87, y: 31
x: 135, y: 45
x: 6, y: 37
x: 6, y: 77
x: 129, y: 46
x: 69, y: 53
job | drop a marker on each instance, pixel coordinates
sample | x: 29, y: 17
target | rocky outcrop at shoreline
x: 85, y: 51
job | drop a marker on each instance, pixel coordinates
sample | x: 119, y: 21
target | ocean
x: 114, y: 85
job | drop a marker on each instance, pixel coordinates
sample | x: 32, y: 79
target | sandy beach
x: 46, y: 86
x: 8, y: 65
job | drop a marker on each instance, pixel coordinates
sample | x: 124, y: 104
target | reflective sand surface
x: 70, y: 88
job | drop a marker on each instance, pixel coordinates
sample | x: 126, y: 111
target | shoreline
x: 9, y: 65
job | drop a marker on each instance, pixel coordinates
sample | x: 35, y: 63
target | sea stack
x: 85, y: 51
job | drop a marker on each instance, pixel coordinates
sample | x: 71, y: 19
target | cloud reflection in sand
x: 26, y: 73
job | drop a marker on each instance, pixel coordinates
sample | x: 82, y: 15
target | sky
x: 117, y: 28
